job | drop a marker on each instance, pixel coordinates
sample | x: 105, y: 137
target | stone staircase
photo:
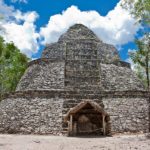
x: 82, y: 70
x: 82, y: 74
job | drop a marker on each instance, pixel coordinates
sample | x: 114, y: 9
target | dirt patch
x: 35, y: 142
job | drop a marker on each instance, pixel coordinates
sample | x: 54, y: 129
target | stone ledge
x: 122, y: 64
x: 46, y: 60
x: 76, y: 94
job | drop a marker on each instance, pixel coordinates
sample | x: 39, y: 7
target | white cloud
x: 20, y: 29
x: 117, y: 27
x: 5, y: 10
x: 20, y: 1
x: 23, y: 35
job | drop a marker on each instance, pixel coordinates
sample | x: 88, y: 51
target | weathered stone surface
x: 32, y: 112
x: 54, y: 51
x: 43, y: 75
x: 119, y: 78
x: 34, y: 115
x: 78, y: 31
x: 79, y: 34
x: 78, y: 67
x: 79, y: 60
x: 128, y: 114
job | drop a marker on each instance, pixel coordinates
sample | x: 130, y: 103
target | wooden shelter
x: 87, y: 118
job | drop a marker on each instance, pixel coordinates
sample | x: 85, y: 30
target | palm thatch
x: 81, y: 105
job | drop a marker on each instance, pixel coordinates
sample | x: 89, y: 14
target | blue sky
x: 31, y: 24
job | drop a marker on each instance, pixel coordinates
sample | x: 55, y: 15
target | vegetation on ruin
x: 140, y: 9
x: 141, y: 59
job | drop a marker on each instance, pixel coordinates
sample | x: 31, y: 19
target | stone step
x: 67, y: 106
x: 84, y: 63
x: 93, y: 88
x: 78, y: 67
x: 72, y: 101
x: 64, y: 132
x: 83, y: 84
x: 79, y: 57
x: 83, y: 73
x: 65, y: 129
x: 82, y: 60
x: 73, y: 76
x: 86, y: 92
x: 78, y: 81
x: 80, y: 96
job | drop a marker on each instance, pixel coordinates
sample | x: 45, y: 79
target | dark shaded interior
x: 87, y: 121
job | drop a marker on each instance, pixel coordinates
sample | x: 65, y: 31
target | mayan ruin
x: 79, y: 86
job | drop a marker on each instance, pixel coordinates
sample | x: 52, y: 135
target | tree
x: 140, y: 9
x: 141, y: 58
x: 1, y: 27
x: 12, y: 66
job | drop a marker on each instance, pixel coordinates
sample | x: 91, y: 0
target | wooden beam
x: 104, y: 126
x: 68, y: 128
x: 71, y: 118
x: 88, y: 111
x: 75, y: 128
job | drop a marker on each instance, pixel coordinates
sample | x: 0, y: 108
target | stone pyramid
x: 81, y: 73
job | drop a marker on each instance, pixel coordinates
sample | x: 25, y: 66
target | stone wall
x: 78, y: 31
x: 54, y: 51
x: 43, y: 75
x: 75, y: 62
x: 119, y: 78
x: 107, y: 53
x: 70, y: 71
x: 128, y: 114
x: 81, y: 65
x: 42, y: 112
x: 81, y: 34
x: 31, y: 115
x: 55, y: 74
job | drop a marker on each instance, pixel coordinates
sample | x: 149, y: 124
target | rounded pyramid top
x: 78, y: 31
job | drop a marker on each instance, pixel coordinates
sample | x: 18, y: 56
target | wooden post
x: 75, y: 128
x: 70, y: 123
x: 68, y: 128
x: 104, y: 125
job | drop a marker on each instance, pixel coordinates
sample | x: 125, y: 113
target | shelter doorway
x: 87, y: 118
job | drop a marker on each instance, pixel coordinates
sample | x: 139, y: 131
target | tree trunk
x: 147, y: 72
x: 147, y: 67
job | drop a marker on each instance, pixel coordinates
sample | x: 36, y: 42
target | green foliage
x: 12, y: 66
x: 140, y: 71
x: 141, y: 59
x: 1, y: 27
x: 140, y: 9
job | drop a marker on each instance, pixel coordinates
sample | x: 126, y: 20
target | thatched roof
x: 82, y: 104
